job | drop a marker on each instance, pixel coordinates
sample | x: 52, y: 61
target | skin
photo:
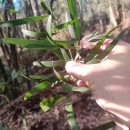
x: 109, y: 81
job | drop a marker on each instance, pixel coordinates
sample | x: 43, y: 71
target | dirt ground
x: 88, y: 114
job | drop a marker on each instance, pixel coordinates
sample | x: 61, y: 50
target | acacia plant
x: 65, y: 51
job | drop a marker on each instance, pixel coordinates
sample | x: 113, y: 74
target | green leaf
x: 22, y: 21
x: 70, y: 117
x: 64, y: 54
x: 26, y: 77
x: 105, y: 126
x: 73, y: 15
x: 70, y: 88
x: 41, y: 46
x: 47, y: 104
x: 97, y: 39
x: 113, y: 29
x: 19, y: 73
x: 36, y: 44
x: 93, y: 52
x: 90, y: 35
x: 70, y: 27
x: 48, y: 63
x: 64, y: 25
x: 40, y: 87
x: 57, y: 54
x: 64, y: 43
x: 48, y: 26
x: 58, y: 75
x: 104, y: 53
x: 46, y: 8
x: 36, y: 34
x: 42, y: 77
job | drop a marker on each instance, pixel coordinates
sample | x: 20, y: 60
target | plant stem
x: 71, y: 55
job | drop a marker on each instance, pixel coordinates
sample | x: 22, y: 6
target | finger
x: 82, y: 71
x: 119, y: 122
x: 123, y: 123
x: 81, y: 83
x: 122, y: 126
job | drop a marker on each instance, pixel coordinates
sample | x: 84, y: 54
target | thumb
x: 81, y: 71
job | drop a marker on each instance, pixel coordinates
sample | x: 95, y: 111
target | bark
x: 2, y: 71
x: 112, y: 14
x: 14, y: 59
x: 36, y: 12
x: 11, y: 33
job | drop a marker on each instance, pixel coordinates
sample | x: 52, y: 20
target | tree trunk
x: 11, y: 33
x: 36, y: 12
x: 112, y: 14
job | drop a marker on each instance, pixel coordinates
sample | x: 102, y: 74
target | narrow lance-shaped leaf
x: 96, y: 48
x: 96, y: 39
x: 19, y: 73
x: 105, y: 52
x: 90, y: 35
x: 48, y: 26
x: 70, y: 88
x: 58, y: 75
x: 36, y: 44
x: 24, y: 42
x: 26, y: 77
x: 48, y: 63
x: 57, y: 54
x: 99, y: 39
x: 35, y: 34
x: 70, y: 27
x: 42, y: 77
x: 105, y: 126
x: 73, y: 15
x: 41, y: 46
x: 47, y: 104
x: 64, y: 25
x: 46, y: 8
x: 39, y: 87
x: 22, y: 21
x: 70, y: 117
x: 64, y: 54
x: 64, y: 43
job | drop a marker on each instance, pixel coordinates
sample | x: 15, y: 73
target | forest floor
x: 88, y: 114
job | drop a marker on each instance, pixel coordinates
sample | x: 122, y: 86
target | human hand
x: 109, y: 82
